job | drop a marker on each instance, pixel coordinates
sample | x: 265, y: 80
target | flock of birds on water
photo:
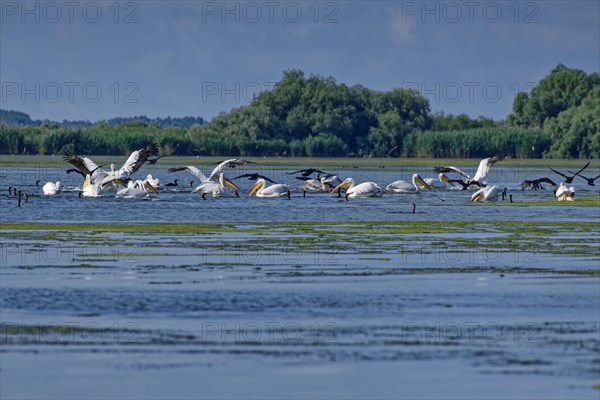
x: 98, y: 181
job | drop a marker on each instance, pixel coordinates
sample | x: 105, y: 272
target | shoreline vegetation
x: 317, y: 117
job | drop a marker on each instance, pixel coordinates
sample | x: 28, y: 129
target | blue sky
x: 95, y: 60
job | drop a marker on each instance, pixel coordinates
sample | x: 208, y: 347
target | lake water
x: 314, y: 311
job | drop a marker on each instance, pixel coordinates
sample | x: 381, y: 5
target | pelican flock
x: 98, y: 181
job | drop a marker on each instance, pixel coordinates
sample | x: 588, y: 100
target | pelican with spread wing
x: 231, y: 163
x: 84, y: 166
x: 484, y: 168
x: 133, y: 163
x: 222, y: 188
x: 208, y: 185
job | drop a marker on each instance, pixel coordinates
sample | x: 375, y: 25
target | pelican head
x: 149, y: 186
x: 417, y: 179
x: 86, y: 182
x: 122, y: 183
x: 112, y: 168
x: 443, y: 178
x: 57, y: 184
x: 477, y: 195
x: 256, y: 187
x: 226, y: 182
x: 344, y: 185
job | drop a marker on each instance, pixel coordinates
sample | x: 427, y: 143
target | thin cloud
x: 401, y: 29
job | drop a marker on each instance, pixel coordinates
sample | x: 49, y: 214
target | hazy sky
x: 95, y: 60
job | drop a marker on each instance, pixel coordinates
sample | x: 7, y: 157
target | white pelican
x: 322, y: 183
x: 488, y: 193
x: 133, y: 163
x: 407, y: 188
x: 441, y: 182
x: 315, y: 185
x: 365, y: 189
x: 563, y: 193
x: 261, y: 190
x: 218, y: 189
x: 136, y: 189
x: 90, y: 189
x: 51, y: 188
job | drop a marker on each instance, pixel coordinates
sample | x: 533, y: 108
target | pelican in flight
x: 569, y: 179
x: 222, y: 188
x: 365, y: 189
x: 259, y: 189
x: 488, y: 193
x: 484, y: 168
x: 135, y: 161
x: 563, y: 193
x: 441, y: 182
x: 136, y: 189
x: 406, y: 187
x: 51, y: 188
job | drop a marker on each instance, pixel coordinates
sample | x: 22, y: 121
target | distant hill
x: 18, y: 118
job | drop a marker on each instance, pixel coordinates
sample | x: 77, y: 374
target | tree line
x: 317, y: 117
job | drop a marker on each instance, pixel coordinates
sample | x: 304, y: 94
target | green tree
x: 563, y: 88
x: 576, y: 131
